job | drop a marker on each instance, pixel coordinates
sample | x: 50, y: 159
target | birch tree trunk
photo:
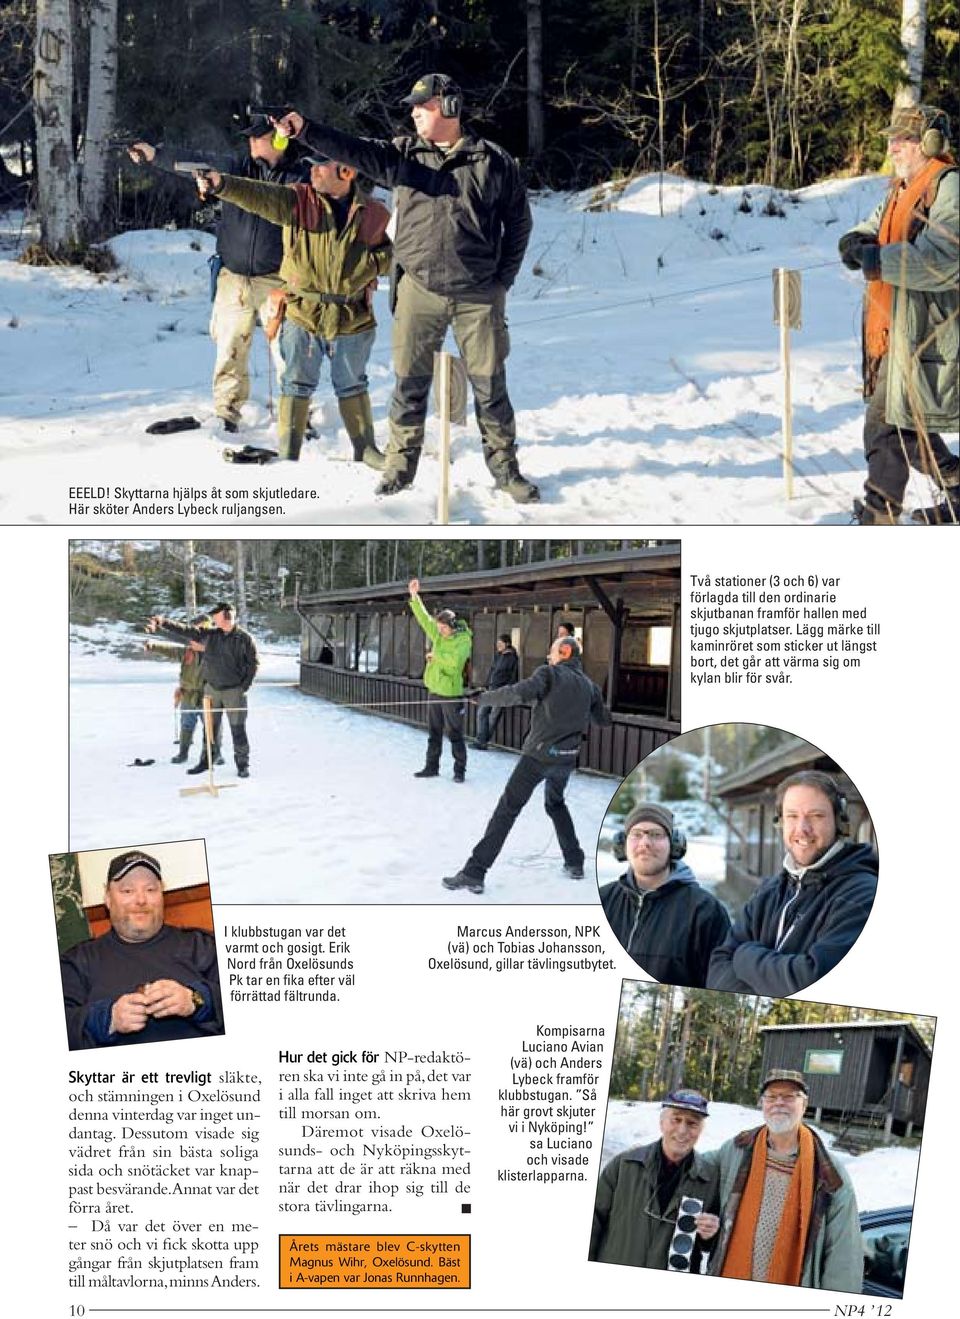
x: 57, y: 197
x: 189, y: 578
x: 913, y: 35
x: 101, y: 110
x: 240, y: 573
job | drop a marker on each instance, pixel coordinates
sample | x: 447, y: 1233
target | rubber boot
x: 181, y: 756
x: 357, y: 416
x: 291, y: 426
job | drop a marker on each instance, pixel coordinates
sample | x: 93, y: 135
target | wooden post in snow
x: 786, y: 314
x: 442, y: 376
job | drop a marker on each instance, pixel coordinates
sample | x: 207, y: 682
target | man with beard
x: 640, y: 1193
x: 789, y: 1211
x: 801, y: 922
x: 665, y: 920
x: 143, y: 981
x: 907, y: 251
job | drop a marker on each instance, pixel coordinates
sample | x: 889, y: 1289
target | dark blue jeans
x: 487, y: 720
x: 303, y: 356
x: 520, y: 785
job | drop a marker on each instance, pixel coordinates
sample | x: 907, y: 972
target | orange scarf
x: 786, y: 1263
x: 902, y: 211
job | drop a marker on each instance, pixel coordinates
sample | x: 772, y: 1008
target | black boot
x: 200, y: 767
x: 392, y: 485
x: 516, y: 485
x: 944, y: 514
x: 427, y: 773
x: 462, y: 880
x: 865, y: 515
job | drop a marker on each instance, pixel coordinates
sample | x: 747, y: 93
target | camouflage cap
x: 784, y: 1074
x: 914, y: 120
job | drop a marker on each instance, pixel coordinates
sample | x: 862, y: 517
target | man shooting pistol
x: 334, y: 249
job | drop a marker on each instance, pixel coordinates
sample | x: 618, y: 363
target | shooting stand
x: 211, y: 788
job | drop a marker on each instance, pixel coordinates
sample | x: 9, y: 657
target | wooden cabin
x: 362, y: 646
x: 864, y: 1073
x: 754, y: 841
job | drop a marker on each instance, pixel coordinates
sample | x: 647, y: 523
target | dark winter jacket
x: 834, y: 1253
x: 463, y: 219
x: 793, y: 931
x: 246, y: 244
x: 229, y: 658
x: 504, y: 669
x: 623, y: 1232
x: 565, y: 702
x: 670, y: 931
x: 99, y: 971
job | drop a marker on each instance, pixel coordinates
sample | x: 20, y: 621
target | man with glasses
x: 802, y: 921
x: 657, y: 1204
x: 665, y: 920
x: 789, y: 1211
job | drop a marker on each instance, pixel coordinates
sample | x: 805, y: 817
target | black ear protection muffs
x: 830, y: 790
x: 451, y: 102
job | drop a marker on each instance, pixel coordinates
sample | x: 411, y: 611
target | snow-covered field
x: 644, y: 371
x: 882, y: 1178
x: 331, y: 812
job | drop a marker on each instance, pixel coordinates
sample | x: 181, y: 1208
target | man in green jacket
x: 334, y: 248
x: 789, y: 1212
x: 910, y: 258
x: 451, y: 642
x: 643, y: 1213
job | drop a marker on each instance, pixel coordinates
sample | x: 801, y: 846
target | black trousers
x: 487, y: 719
x: 231, y: 701
x: 520, y: 785
x: 445, y: 715
x: 891, y: 451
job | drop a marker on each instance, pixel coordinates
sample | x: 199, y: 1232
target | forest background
x: 129, y: 580
x: 783, y: 92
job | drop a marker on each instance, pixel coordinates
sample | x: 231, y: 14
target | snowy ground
x: 644, y: 372
x: 882, y: 1178
x: 331, y: 812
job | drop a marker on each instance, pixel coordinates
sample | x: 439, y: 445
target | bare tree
x: 57, y: 195
x: 101, y: 109
x: 535, y: 125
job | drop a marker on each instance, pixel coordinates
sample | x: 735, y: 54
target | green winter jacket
x: 923, y: 377
x: 443, y: 674
x: 628, y: 1227
x: 191, y: 679
x: 834, y: 1255
x: 316, y: 258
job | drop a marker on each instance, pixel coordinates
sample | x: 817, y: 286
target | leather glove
x: 870, y: 261
x: 851, y: 248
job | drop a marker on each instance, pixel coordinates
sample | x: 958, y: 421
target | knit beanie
x: 649, y: 811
